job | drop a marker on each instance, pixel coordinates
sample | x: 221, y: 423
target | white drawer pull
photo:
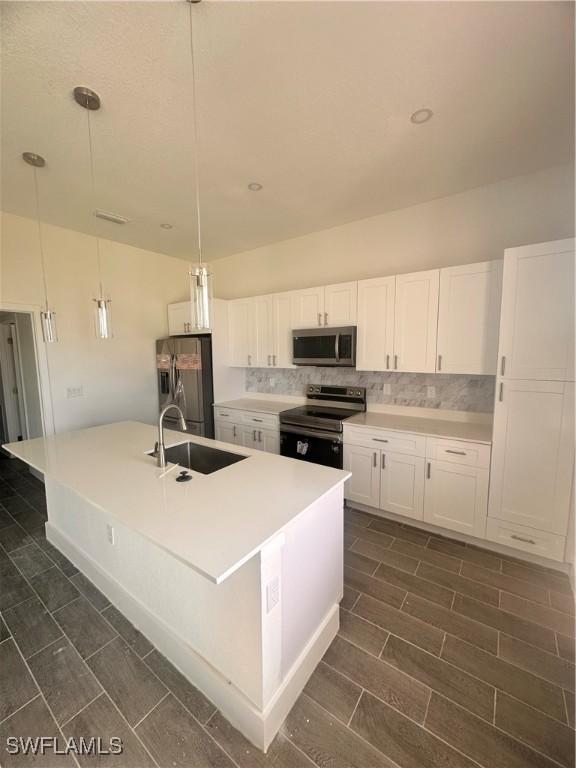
x: 379, y: 440
x: 521, y: 538
x: 258, y: 420
x: 458, y: 453
x: 224, y: 414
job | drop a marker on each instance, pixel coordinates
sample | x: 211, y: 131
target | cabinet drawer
x: 397, y: 442
x: 458, y: 452
x: 259, y: 419
x: 527, y: 539
x: 227, y: 414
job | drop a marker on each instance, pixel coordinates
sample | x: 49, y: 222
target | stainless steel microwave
x: 324, y: 346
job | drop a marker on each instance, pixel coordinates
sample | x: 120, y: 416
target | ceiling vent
x: 113, y: 217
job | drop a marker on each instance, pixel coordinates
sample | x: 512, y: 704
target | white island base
x: 249, y: 643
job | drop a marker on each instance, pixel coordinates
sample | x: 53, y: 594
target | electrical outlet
x: 430, y: 392
x: 271, y: 381
x: 75, y: 391
x: 272, y: 594
x: 386, y: 388
x: 110, y: 535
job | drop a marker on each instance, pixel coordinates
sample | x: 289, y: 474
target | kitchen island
x: 235, y: 576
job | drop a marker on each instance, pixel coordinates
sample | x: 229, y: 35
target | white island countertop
x: 214, y: 523
x: 472, y: 431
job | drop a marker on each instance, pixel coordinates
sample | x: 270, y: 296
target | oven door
x: 308, y: 445
x: 324, y: 346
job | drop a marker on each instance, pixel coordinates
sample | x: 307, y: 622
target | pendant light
x: 90, y: 100
x: 47, y: 316
x: 200, y: 276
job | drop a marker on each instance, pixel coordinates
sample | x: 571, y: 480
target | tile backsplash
x: 423, y: 390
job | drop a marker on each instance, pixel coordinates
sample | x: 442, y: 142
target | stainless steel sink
x: 200, y: 458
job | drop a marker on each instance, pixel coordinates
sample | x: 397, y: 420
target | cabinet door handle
x: 259, y: 436
x: 379, y: 440
x: 458, y: 453
x: 249, y: 360
x: 269, y: 359
x: 319, y: 318
x: 387, y: 362
x: 383, y: 461
x: 234, y: 430
x: 439, y: 362
x: 375, y: 459
x: 521, y: 538
x: 254, y: 435
x: 502, y: 365
x: 325, y: 318
x: 259, y: 421
x: 395, y: 362
x: 274, y: 360
x: 428, y: 469
x: 501, y: 394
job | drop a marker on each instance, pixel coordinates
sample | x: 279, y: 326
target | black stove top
x: 316, y: 412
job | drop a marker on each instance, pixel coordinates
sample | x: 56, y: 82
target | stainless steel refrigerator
x: 184, y: 369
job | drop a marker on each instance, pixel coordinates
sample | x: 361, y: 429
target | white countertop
x: 476, y: 432
x: 262, y: 406
x: 214, y: 523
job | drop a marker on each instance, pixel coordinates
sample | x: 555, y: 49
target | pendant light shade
x: 103, y: 318
x: 200, y: 276
x: 47, y: 315
x: 90, y: 101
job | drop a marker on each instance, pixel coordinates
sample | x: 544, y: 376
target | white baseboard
x: 259, y: 727
x: 491, y: 545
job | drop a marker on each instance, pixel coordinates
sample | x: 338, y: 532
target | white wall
x: 118, y: 376
x: 472, y: 226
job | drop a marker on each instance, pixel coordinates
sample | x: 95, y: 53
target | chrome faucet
x: 160, y: 450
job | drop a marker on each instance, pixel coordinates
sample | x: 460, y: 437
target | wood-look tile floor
x: 448, y: 656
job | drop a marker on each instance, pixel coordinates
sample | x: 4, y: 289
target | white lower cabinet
x: 456, y: 497
x: 260, y: 431
x: 364, y: 464
x: 443, y: 482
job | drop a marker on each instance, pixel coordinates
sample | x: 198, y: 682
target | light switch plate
x: 110, y: 535
x: 430, y: 392
x: 272, y: 594
x: 75, y: 391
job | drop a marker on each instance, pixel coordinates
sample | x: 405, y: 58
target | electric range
x: 313, y: 432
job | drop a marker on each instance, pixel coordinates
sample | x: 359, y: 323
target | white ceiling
x: 311, y: 99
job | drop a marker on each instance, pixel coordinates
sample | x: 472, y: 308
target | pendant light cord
x: 195, y: 136
x: 93, y: 191
x: 40, y: 237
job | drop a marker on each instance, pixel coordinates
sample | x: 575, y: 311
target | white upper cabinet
x: 469, y: 317
x: 308, y: 307
x: 282, y: 330
x: 340, y: 304
x: 416, y: 321
x: 375, y: 333
x: 180, y: 318
x: 537, y: 321
x: 240, y: 332
x: 533, y: 454
x: 262, y: 332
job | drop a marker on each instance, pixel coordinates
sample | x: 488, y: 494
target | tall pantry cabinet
x: 532, y: 464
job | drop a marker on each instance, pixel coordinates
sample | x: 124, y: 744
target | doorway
x: 21, y: 415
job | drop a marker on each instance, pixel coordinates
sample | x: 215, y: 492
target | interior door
x: 533, y: 454
x: 456, y: 497
x: 537, y: 324
x: 402, y: 484
x: 375, y: 333
x: 9, y: 380
x: 416, y: 321
x: 469, y: 318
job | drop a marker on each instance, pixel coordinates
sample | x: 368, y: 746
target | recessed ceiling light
x: 166, y: 225
x: 421, y: 116
x: 254, y: 186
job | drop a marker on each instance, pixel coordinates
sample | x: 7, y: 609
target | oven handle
x: 337, y: 348
x: 334, y: 437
